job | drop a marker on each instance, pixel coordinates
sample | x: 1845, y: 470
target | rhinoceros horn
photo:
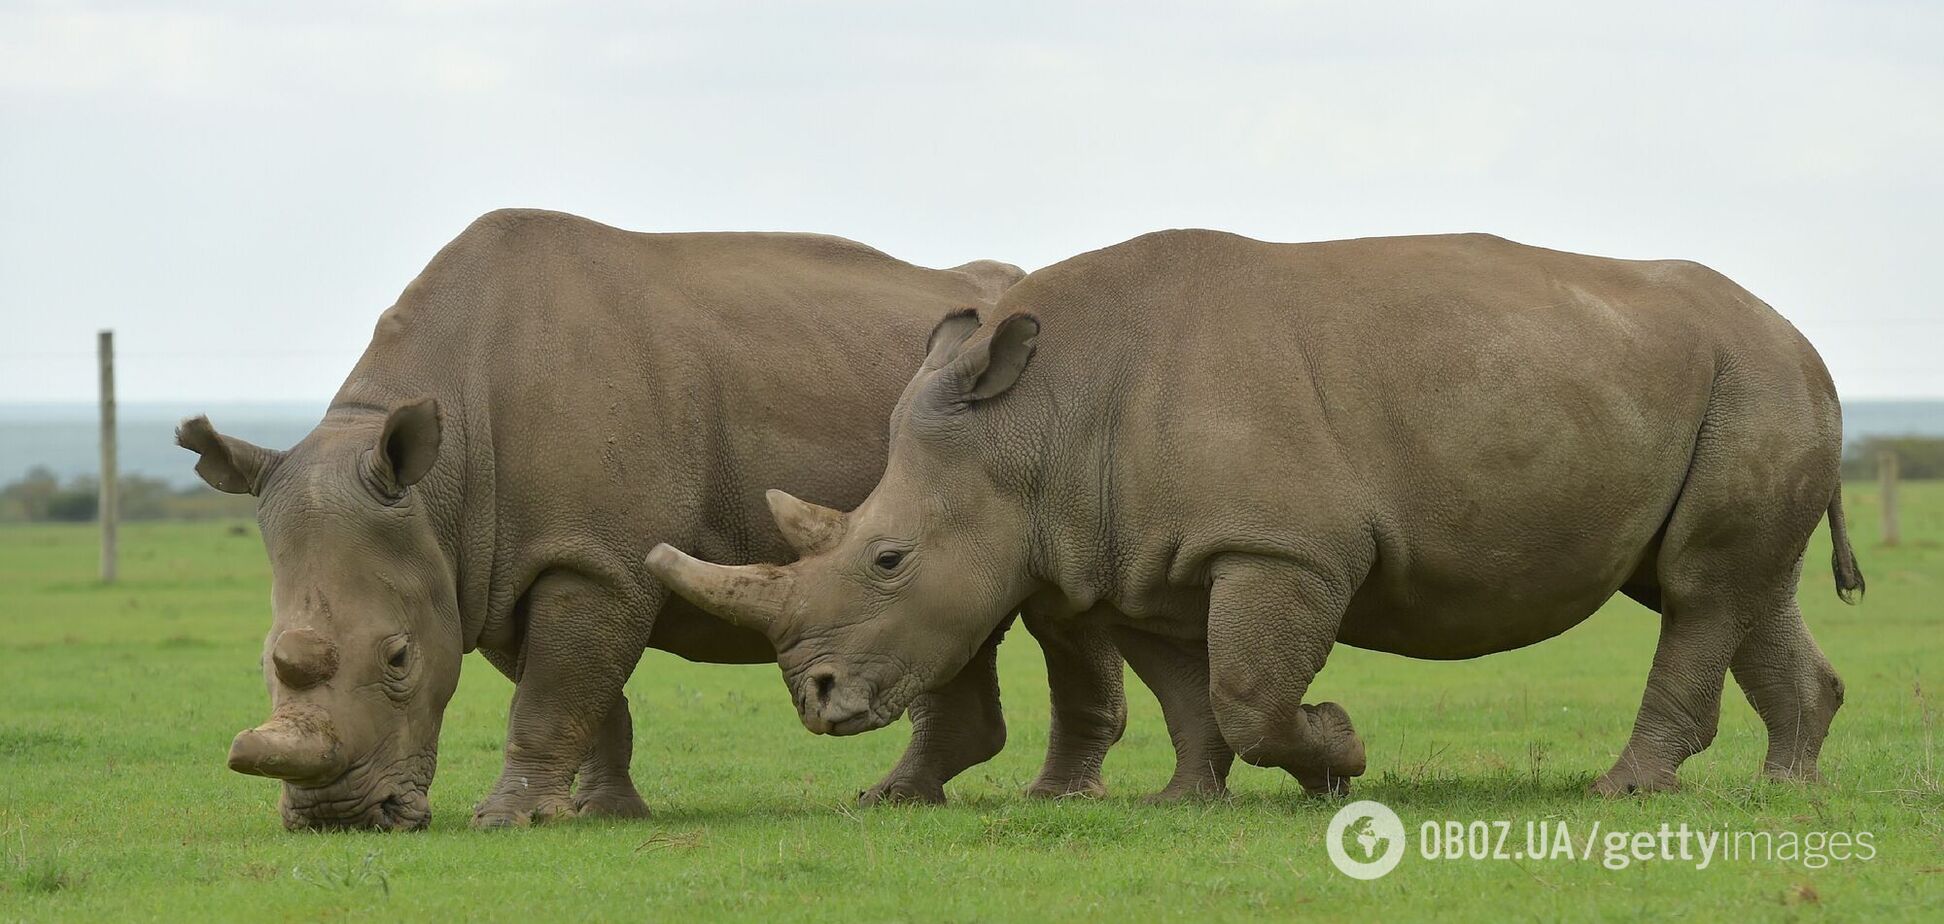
x: 303, y: 658
x: 807, y: 527
x: 750, y: 596
x: 298, y: 745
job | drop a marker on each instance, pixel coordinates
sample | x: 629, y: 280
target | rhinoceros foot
x: 1631, y: 777
x: 904, y: 791
x: 610, y: 803
x: 1085, y: 786
x: 1197, y: 790
x: 502, y: 812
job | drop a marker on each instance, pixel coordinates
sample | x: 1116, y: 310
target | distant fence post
x: 109, y: 512
x: 1887, y: 489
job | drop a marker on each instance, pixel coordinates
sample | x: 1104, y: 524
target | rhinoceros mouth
x: 387, y: 799
x: 855, y: 725
x: 407, y: 810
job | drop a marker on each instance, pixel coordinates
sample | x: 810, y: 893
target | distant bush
x: 73, y: 506
x: 40, y: 497
x: 1917, y: 457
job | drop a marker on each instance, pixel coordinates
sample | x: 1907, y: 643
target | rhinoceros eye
x: 399, y: 671
x: 890, y: 559
x: 398, y: 653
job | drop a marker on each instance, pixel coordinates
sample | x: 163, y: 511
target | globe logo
x: 1365, y: 839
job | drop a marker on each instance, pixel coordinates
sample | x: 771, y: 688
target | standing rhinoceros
x: 546, y: 399
x: 1238, y: 454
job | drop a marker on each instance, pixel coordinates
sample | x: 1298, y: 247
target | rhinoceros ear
x: 408, y: 445
x: 985, y: 370
x: 228, y: 464
x: 949, y: 335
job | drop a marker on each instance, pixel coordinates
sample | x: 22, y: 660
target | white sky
x: 240, y: 188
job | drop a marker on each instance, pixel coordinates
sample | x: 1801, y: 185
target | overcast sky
x: 238, y: 189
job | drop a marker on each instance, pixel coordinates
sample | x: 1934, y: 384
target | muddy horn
x: 750, y: 596
x: 298, y: 744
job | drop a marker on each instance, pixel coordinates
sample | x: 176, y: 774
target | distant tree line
x: 1917, y: 457
x: 40, y: 497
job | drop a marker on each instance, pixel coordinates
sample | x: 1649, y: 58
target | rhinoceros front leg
x: 1176, y: 671
x: 961, y: 725
x: 956, y: 726
x: 1083, y: 676
x: 604, y: 787
x: 1271, y: 624
x: 582, y: 642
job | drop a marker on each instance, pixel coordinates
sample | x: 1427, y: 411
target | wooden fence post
x: 110, y: 506
x: 1887, y: 489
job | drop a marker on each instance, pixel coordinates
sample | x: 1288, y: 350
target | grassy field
x: 117, y: 705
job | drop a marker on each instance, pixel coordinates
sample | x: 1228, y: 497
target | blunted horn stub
x: 303, y: 658
x: 750, y: 596
x: 298, y: 744
x: 807, y: 527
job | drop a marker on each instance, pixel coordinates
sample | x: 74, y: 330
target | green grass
x: 117, y: 705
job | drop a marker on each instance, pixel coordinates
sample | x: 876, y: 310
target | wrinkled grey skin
x: 546, y: 400
x: 1237, y: 454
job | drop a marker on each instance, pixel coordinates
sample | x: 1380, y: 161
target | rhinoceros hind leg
x: 1682, y: 705
x: 1793, y: 689
x: 1726, y: 567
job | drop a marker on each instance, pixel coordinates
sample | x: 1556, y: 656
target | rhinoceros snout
x: 832, y: 707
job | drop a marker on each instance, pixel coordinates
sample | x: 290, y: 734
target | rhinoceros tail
x: 1842, y: 557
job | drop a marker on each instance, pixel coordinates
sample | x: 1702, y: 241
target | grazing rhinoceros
x: 548, y: 398
x: 1237, y: 454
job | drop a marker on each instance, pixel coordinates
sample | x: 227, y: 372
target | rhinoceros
x: 544, y: 401
x: 1236, y: 454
